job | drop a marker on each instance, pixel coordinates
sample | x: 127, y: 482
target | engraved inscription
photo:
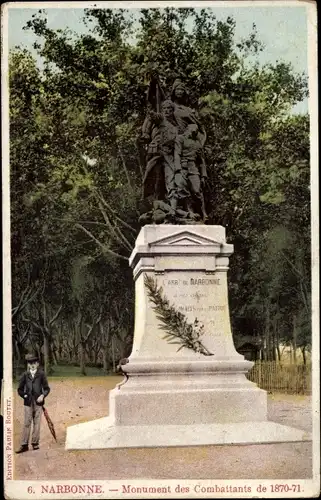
x: 192, y: 281
x: 198, y: 296
x: 195, y: 295
x: 189, y: 308
x: 204, y: 281
x: 173, y: 282
x: 217, y: 308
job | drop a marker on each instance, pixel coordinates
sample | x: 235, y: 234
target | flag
x: 155, y: 93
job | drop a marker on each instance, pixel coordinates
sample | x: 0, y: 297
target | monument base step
x: 102, y: 434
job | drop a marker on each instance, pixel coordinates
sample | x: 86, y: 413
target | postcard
x: 161, y: 250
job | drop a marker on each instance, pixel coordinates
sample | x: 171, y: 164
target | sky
x: 283, y: 30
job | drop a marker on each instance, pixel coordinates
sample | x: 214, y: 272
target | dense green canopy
x: 76, y: 179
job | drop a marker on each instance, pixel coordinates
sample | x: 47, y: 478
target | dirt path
x: 77, y: 400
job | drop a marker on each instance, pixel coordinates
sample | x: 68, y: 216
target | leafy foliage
x: 76, y: 179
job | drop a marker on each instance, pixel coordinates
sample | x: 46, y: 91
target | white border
x: 19, y: 489
x: 161, y: 4
x: 7, y: 401
x: 315, y: 264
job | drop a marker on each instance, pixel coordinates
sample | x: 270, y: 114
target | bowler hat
x: 31, y: 358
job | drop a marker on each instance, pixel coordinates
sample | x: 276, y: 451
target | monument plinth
x: 174, y: 396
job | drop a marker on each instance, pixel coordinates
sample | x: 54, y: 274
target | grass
x: 109, y: 382
x: 70, y: 371
x: 74, y: 371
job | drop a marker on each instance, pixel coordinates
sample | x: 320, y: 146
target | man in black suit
x: 33, y: 388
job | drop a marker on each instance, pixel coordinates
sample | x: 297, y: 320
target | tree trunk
x: 304, y: 356
x: 54, y: 356
x: 278, y: 351
x: 294, y: 338
x: 82, y: 360
x: 38, y: 349
x: 46, y: 354
x: 274, y: 346
x: 51, y: 354
x: 106, y: 364
x: 273, y: 349
x: 19, y: 350
x: 104, y: 335
x: 267, y: 332
x: 113, y: 353
x: 96, y: 352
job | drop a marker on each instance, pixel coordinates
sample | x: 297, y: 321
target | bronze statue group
x: 172, y: 141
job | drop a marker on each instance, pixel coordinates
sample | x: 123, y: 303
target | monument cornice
x: 207, y: 254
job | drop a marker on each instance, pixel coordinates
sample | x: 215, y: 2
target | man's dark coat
x: 33, y: 387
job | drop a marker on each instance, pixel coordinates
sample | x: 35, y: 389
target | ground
x: 77, y: 400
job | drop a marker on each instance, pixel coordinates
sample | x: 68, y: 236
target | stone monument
x: 185, y: 383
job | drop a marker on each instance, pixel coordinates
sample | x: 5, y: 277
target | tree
x: 75, y: 168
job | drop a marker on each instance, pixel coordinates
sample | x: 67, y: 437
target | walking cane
x: 49, y: 422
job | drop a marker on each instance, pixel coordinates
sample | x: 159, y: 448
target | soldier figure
x: 159, y: 179
x: 190, y: 168
x: 185, y: 115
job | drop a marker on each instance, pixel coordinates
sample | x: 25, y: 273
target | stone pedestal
x: 183, y: 398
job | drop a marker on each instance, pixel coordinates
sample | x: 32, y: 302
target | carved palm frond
x: 174, y: 323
